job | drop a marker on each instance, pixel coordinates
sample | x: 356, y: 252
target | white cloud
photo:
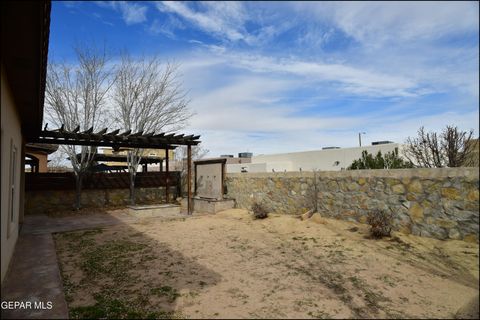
x: 167, y: 27
x: 132, y: 13
x: 224, y: 19
x: 258, y: 104
x: 227, y: 20
x: 352, y: 80
x: 373, y: 23
x: 272, y: 97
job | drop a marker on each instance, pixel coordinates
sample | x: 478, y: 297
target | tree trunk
x: 78, y: 190
x: 132, y: 188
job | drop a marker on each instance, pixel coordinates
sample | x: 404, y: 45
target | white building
x: 334, y: 159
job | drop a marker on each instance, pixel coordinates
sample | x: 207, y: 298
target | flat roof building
x: 327, y: 159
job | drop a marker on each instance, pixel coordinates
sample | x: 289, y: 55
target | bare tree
x: 451, y: 148
x: 57, y: 160
x: 149, y: 98
x: 181, y: 159
x: 74, y: 98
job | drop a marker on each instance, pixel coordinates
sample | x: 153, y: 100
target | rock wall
x: 42, y: 202
x: 439, y: 203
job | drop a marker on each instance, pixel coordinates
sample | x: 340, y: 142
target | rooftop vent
x: 376, y: 143
x: 245, y: 155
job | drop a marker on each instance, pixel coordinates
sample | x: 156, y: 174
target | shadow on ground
x: 108, y: 268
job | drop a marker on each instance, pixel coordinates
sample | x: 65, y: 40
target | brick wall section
x: 439, y: 203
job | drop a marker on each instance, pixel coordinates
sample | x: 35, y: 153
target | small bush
x: 380, y: 223
x: 259, y: 211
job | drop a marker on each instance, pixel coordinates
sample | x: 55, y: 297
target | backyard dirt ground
x: 231, y: 266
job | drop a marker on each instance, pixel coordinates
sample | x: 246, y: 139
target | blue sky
x: 270, y: 77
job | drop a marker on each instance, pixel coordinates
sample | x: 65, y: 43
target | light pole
x: 360, y: 138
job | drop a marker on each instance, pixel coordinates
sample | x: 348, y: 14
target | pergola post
x: 167, y: 196
x: 189, y: 178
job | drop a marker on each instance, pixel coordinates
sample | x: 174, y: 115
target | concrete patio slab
x: 160, y: 211
x: 34, y: 279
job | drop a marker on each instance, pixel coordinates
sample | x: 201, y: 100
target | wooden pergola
x: 127, y: 139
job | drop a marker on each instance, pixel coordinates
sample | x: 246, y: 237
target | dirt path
x: 230, y: 266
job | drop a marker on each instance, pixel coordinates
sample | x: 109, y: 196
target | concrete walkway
x: 34, y: 275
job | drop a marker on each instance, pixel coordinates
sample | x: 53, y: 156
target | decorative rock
x: 406, y: 204
x: 450, y: 193
x: 445, y: 223
x: 415, y: 187
x: 416, y: 212
x: 407, y: 229
x: 348, y: 213
x: 317, y: 218
x: 471, y: 238
x: 411, y: 197
x: 472, y: 195
x: 307, y: 215
x: 454, y: 234
x: 353, y: 186
x: 398, y: 189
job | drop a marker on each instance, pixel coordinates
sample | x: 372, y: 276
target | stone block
x: 450, y: 193
x: 445, y: 223
x: 398, y: 189
x: 415, y: 187
x: 471, y: 238
x: 454, y: 234
x: 416, y: 212
x: 473, y: 195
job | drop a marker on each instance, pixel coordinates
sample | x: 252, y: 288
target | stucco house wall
x: 11, y: 146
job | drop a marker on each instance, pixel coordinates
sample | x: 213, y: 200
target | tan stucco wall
x: 146, y: 152
x: 42, y: 161
x: 10, y: 134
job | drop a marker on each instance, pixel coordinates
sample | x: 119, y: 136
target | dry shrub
x: 259, y: 211
x: 380, y: 223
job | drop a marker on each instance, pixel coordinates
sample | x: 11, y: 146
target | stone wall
x: 439, y: 203
x: 48, y: 201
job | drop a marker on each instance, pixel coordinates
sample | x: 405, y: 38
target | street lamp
x: 360, y: 138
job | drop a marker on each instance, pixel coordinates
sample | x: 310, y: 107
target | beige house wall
x: 11, y: 139
x: 146, y: 153
x: 42, y: 161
